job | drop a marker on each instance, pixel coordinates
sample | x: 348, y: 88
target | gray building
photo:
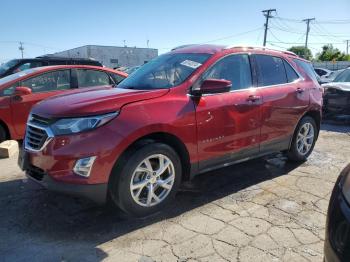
x: 112, y: 56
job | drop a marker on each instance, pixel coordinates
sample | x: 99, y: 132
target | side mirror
x: 214, y: 86
x: 22, y: 91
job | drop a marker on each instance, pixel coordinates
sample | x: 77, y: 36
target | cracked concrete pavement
x: 262, y: 210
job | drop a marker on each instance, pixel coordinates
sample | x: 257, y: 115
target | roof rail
x: 53, y: 57
x: 182, y: 46
x: 261, y: 48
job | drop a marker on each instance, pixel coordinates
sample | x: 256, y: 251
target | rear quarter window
x: 307, y: 68
x: 291, y: 74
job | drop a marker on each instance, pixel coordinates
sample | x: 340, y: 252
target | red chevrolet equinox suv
x: 194, y: 109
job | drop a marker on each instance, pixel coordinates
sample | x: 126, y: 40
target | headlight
x: 76, y: 125
x: 346, y: 183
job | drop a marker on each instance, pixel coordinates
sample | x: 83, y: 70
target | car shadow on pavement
x: 34, y: 220
x: 332, y: 125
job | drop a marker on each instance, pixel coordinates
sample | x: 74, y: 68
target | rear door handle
x: 253, y: 98
x: 299, y: 90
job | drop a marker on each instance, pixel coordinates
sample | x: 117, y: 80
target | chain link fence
x: 332, y: 65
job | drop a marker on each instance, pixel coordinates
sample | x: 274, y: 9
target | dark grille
x: 35, y: 172
x: 36, y: 135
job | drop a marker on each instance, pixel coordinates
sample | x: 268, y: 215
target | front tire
x: 304, y: 139
x: 147, y: 181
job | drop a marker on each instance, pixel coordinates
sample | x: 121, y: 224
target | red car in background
x: 20, y: 91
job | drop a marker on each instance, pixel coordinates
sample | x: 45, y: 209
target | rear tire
x: 147, y: 181
x: 3, y: 135
x: 304, y: 139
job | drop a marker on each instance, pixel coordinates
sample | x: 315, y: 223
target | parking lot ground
x: 261, y: 210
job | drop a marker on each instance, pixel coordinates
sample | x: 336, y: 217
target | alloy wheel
x: 305, y: 138
x: 152, y: 180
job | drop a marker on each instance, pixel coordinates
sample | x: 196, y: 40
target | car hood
x: 92, y: 102
x: 343, y: 86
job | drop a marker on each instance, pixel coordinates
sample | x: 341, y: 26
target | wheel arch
x: 3, y: 125
x: 160, y: 137
x: 314, y: 114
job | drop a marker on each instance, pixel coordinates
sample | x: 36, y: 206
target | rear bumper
x: 96, y: 192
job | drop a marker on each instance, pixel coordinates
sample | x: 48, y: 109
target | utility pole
x: 21, y: 48
x: 124, y: 41
x: 347, y: 46
x: 307, y: 29
x: 267, y: 14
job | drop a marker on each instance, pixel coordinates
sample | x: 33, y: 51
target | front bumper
x: 53, y: 166
x: 96, y: 192
x: 337, y: 102
x: 337, y: 241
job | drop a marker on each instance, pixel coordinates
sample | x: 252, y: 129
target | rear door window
x: 271, y: 70
x: 90, y: 78
x: 52, y: 81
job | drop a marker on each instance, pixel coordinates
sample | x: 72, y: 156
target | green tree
x: 330, y: 53
x: 301, y: 51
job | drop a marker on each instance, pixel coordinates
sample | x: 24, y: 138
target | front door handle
x: 299, y: 90
x: 253, y: 98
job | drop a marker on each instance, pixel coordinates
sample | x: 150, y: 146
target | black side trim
x: 241, y: 156
x: 227, y: 158
x: 276, y: 145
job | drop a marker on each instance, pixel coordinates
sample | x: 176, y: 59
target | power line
x: 288, y: 19
x: 282, y: 47
x: 282, y: 22
x: 345, y: 21
x: 301, y: 33
x: 221, y: 38
x: 275, y: 37
x: 335, y: 21
x: 301, y: 43
x: 324, y: 30
x: 231, y: 36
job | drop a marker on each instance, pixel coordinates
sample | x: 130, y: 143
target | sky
x: 52, y: 26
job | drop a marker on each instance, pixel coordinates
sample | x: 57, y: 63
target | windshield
x: 343, y: 76
x: 165, y: 71
x: 9, y: 78
x: 7, y: 66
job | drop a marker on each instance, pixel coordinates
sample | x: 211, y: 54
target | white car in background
x: 330, y: 78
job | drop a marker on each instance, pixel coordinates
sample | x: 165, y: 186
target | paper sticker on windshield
x: 191, y: 64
